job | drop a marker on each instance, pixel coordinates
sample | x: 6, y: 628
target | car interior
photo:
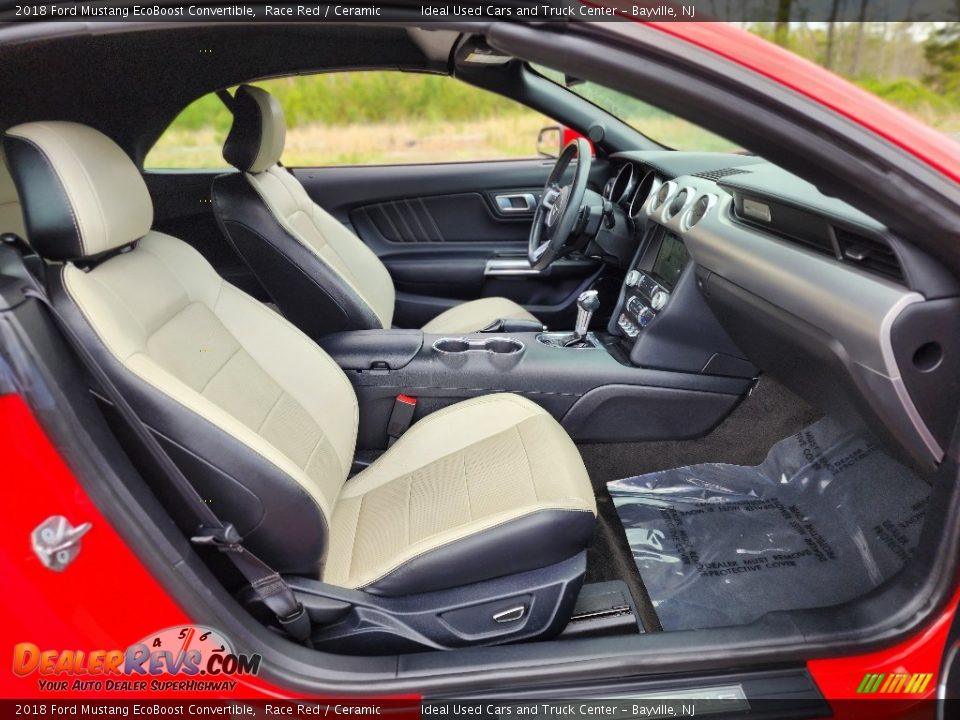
x: 600, y: 403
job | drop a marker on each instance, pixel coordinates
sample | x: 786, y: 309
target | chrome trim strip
x: 502, y: 267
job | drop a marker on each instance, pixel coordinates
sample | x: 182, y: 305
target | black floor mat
x: 825, y: 518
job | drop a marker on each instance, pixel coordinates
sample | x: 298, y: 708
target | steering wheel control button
x: 57, y: 543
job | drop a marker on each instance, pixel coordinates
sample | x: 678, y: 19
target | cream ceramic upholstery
x: 321, y: 275
x: 11, y: 214
x: 355, y: 264
x: 264, y: 423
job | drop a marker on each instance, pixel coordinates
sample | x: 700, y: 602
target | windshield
x: 660, y: 126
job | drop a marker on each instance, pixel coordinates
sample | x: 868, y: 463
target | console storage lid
x: 373, y: 349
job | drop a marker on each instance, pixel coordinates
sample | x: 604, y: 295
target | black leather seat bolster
x: 533, y: 541
x: 309, y: 294
x: 242, y: 487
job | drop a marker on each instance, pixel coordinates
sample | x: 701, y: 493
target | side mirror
x: 550, y: 141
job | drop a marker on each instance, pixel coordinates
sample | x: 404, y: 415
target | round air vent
x: 665, y: 190
x: 622, y: 184
x: 679, y: 200
x: 700, y: 208
x: 643, y: 192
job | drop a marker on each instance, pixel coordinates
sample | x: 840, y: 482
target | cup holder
x: 502, y: 346
x: 451, y: 345
x: 495, y: 345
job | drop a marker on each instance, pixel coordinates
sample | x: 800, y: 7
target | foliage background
x: 394, y: 117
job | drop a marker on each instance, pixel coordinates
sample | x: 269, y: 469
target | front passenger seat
x: 323, y: 278
x: 264, y: 423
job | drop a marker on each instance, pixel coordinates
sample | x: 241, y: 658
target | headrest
x: 259, y: 130
x: 81, y: 194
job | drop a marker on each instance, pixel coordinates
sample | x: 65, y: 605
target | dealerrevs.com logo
x: 190, y: 658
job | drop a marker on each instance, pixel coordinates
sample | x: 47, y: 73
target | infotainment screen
x: 670, y: 261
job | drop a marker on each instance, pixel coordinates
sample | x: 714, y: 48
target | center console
x: 590, y: 389
x: 661, y: 318
x: 647, y: 286
x: 664, y: 368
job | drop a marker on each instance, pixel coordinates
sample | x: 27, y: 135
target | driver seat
x: 323, y: 278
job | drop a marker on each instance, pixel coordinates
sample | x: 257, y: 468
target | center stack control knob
x: 659, y: 299
x: 633, y: 278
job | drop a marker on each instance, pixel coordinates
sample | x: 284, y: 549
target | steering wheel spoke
x: 555, y: 219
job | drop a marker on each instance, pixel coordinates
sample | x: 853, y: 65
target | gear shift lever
x: 587, y: 305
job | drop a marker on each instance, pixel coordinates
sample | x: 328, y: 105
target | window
x: 658, y: 125
x: 365, y: 118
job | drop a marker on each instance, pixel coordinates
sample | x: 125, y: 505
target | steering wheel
x: 557, y: 212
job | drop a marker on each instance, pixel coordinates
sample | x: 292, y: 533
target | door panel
x: 438, y: 227
x: 457, y: 217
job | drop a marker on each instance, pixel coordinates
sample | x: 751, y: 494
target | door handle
x: 516, y: 202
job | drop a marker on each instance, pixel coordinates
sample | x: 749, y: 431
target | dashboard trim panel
x: 811, y: 287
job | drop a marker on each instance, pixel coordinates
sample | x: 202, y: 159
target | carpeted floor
x: 768, y: 415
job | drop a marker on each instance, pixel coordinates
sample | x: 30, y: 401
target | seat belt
x: 271, y: 589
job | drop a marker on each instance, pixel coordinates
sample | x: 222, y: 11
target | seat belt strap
x: 269, y: 587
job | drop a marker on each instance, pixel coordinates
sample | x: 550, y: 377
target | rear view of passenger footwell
x: 825, y: 518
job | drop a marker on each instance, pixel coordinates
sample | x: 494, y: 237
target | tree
x: 831, y: 33
x: 942, y: 52
x: 858, y: 45
x: 782, y: 27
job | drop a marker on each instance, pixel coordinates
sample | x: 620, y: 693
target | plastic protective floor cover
x: 825, y: 518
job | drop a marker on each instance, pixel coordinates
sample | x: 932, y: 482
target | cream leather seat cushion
x: 461, y: 471
x: 476, y: 315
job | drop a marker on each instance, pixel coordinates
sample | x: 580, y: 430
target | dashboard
x: 740, y: 267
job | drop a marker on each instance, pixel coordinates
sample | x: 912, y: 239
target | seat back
x: 11, y: 214
x: 321, y: 276
x: 258, y: 417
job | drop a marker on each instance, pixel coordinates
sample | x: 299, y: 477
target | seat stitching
x: 86, y: 174
x: 316, y: 446
x: 353, y: 539
x: 407, y: 518
x: 466, y: 482
x: 173, y: 273
x: 147, y: 335
x: 220, y: 369
x: 526, y: 456
x: 270, y: 411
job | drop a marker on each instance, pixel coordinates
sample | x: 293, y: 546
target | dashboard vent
x: 718, y: 174
x: 869, y: 253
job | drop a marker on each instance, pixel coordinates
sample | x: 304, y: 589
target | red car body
x: 77, y: 609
